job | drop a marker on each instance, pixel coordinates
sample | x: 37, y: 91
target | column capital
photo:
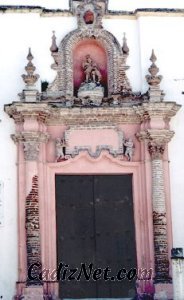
x: 31, y: 143
x: 156, y: 150
x: 156, y: 141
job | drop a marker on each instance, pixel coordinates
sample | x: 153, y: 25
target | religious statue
x: 91, y: 88
x: 91, y: 70
x: 60, y: 149
x: 129, y: 145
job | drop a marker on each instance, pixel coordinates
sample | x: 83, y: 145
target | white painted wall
x: 18, y: 31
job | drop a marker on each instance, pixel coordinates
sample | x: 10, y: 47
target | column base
x: 47, y: 291
x: 33, y: 292
x: 163, y: 291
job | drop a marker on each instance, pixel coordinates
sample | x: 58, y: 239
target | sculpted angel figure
x: 60, y: 145
x: 129, y: 145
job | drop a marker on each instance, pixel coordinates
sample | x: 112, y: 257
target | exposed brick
x: 33, y: 230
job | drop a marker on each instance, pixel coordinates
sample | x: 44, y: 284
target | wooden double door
x: 95, y: 230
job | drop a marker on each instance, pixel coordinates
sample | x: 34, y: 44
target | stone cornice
x: 53, y: 115
x: 165, y: 110
x: 19, y: 111
x: 142, y: 12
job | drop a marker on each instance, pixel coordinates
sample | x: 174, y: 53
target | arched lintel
x: 90, y: 162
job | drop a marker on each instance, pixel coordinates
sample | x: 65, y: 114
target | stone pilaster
x: 156, y: 141
x: 30, y: 142
x: 159, y: 214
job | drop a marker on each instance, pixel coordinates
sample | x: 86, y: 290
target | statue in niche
x: 129, y: 148
x: 91, y: 70
x: 87, y: 67
x: 91, y: 87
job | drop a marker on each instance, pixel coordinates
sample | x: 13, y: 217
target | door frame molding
x: 81, y: 165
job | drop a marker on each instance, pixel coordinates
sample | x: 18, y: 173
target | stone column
x: 31, y: 153
x: 156, y: 149
x: 31, y: 142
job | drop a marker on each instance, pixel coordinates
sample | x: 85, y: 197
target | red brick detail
x: 33, y: 230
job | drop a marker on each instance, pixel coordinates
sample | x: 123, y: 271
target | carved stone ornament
x: 156, y: 150
x: 153, y: 79
x: 31, y: 143
x: 60, y: 149
x: 31, y: 150
x: 125, y: 148
x: 89, y: 14
x: 30, y: 78
x: 129, y: 149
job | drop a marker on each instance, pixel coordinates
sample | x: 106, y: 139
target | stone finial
x: 125, y: 46
x: 54, y: 47
x: 31, y: 78
x: 153, y: 79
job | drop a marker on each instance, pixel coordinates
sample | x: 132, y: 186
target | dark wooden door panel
x: 95, y: 224
x: 75, y: 227
x: 113, y: 219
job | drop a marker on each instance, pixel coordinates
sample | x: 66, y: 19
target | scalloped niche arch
x: 113, y: 69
